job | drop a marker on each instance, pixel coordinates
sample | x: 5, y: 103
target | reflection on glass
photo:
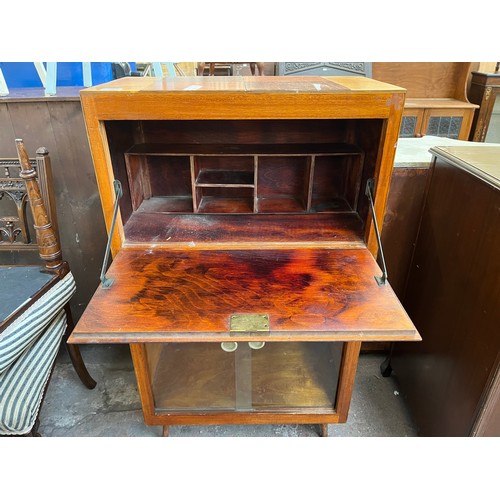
x: 493, y: 133
x: 278, y: 375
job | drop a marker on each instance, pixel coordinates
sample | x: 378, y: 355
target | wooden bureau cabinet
x: 244, y: 275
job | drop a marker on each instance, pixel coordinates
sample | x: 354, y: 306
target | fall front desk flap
x: 305, y: 294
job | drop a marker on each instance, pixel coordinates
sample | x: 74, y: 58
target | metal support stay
x: 381, y: 280
x: 107, y: 282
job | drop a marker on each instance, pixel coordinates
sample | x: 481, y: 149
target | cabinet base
x: 322, y: 430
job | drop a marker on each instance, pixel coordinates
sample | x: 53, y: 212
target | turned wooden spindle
x: 49, y: 247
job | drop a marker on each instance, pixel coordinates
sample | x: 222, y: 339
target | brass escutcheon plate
x: 249, y: 323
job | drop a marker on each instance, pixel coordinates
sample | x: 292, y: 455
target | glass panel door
x: 244, y: 376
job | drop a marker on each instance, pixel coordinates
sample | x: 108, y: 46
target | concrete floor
x: 113, y: 407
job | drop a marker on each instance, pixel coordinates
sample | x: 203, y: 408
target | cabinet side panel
x: 451, y: 296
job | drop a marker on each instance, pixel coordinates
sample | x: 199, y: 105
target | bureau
x: 244, y: 274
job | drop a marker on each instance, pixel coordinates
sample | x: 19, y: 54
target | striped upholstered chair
x: 34, y: 300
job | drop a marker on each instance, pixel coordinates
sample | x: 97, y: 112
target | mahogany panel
x: 401, y: 222
x: 309, y: 294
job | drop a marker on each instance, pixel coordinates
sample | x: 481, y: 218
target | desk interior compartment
x: 283, y: 183
x: 248, y: 167
x: 159, y: 183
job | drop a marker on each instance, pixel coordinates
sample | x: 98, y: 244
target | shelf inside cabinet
x: 280, y: 204
x: 166, y: 204
x: 224, y: 178
x: 225, y: 204
x: 244, y: 178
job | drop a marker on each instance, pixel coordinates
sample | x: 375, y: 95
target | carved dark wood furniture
x: 484, y: 91
x: 34, y: 304
x: 324, y: 68
x: 244, y: 275
x: 452, y: 378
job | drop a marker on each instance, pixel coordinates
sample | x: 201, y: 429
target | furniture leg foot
x: 323, y: 430
x: 165, y: 431
x: 79, y: 365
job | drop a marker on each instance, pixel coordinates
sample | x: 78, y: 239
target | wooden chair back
x: 28, y: 181
x: 17, y: 223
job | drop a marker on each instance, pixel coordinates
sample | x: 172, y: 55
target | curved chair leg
x: 75, y: 355
x: 79, y: 366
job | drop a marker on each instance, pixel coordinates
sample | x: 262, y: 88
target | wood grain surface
x: 309, y: 294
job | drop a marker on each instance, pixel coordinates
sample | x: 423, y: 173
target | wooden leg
x: 348, y: 367
x: 79, y: 366
x: 323, y: 430
x: 165, y: 431
x: 75, y: 356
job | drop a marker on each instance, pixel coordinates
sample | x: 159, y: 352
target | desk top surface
x: 246, y: 84
x: 483, y: 161
x: 416, y: 151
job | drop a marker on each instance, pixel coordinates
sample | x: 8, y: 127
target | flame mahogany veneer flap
x: 309, y: 294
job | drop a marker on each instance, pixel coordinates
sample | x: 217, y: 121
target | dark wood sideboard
x: 451, y: 379
x: 484, y: 91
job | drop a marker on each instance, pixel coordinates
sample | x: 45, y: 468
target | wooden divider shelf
x: 270, y: 178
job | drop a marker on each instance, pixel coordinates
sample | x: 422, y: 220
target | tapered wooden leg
x: 323, y: 430
x: 165, y: 431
